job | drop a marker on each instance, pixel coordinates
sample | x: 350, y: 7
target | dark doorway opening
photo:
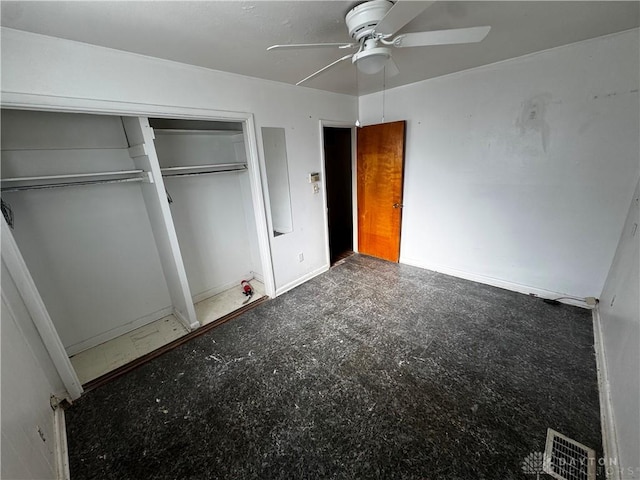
x: 337, y: 162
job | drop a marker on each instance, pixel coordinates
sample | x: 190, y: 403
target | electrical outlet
x: 301, y: 257
x: 316, y: 188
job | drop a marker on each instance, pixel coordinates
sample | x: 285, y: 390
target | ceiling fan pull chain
x: 384, y: 88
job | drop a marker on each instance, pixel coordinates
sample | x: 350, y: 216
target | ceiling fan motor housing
x: 362, y: 19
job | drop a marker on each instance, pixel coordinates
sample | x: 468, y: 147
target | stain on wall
x: 533, y: 118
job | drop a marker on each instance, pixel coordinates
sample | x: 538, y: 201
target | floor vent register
x: 566, y: 459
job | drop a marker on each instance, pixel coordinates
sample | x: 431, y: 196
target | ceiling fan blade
x: 312, y: 45
x: 400, y: 14
x: 442, y: 37
x: 391, y: 69
x: 313, y: 75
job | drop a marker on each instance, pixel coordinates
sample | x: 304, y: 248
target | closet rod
x: 227, y: 166
x: 74, y: 184
x: 193, y: 174
x: 72, y: 175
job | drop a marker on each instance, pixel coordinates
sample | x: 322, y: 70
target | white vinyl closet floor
x: 106, y: 357
x: 213, y: 308
x: 103, y: 358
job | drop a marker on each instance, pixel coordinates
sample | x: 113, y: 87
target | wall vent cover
x: 566, y: 459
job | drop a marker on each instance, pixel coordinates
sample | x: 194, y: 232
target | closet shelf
x: 183, y: 131
x: 13, y: 184
x: 192, y: 170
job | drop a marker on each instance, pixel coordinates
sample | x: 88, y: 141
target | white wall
x: 188, y: 149
x: 89, y: 249
x: 519, y: 173
x: 69, y: 73
x: 250, y: 219
x: 28, y: 380
x: 620, y: 324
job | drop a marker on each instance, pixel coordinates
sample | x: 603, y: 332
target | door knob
x: 398, y: 205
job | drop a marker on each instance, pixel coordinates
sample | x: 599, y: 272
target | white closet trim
x: 35, y: 306
x: 55, y: 103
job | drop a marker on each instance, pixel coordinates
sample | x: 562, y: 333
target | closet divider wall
x: 103, y: 251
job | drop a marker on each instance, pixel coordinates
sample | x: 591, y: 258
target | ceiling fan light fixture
x: 375, y: 25
x: 372, y: 60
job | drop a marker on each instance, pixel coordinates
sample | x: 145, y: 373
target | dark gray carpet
x: 372, y: 370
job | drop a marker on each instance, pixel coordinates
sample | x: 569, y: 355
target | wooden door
x: 338, y: 180
x: 380, y: 177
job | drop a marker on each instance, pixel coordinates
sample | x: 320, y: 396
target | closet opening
x: 135, y: 231
x: 204, y: 168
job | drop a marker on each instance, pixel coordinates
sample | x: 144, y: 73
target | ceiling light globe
x: 372, y: 60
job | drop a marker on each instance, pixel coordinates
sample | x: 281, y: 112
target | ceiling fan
x: 374, y: 23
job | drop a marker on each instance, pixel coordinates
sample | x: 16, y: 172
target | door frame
x: 354, y: 192
x: 18, y: 269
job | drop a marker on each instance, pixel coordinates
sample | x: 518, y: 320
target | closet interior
x: 134, y: 230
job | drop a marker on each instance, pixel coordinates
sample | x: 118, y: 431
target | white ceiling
x: 233, y: 35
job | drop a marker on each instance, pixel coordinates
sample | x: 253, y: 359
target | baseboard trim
x: 116, y: 332
x: 60, y: 444
x: 607, y: 419
x: 301, y: 280
x: 257, y: 276
x: 496, y: 282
